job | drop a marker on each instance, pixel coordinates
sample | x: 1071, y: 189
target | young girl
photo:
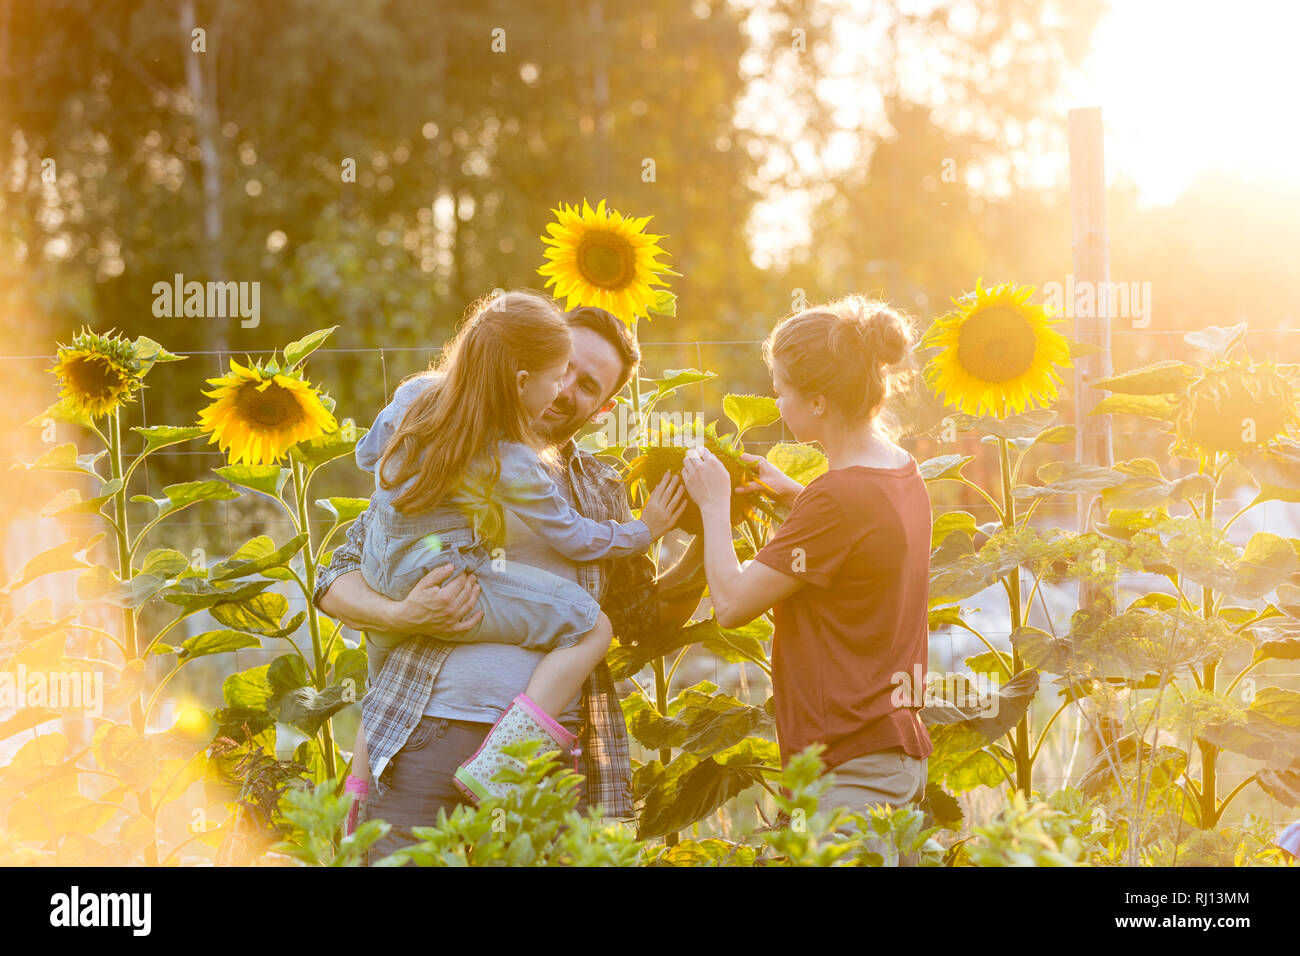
x: 451, y: 452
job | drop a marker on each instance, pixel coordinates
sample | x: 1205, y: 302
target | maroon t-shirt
x: 859, y: 538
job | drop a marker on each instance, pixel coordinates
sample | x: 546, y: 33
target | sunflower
x: 667, y: 451
x: 603, y: 259
x: 997, y: 352
x: 1237, y: 406
x: 98, y: 373
x: 259, y: 414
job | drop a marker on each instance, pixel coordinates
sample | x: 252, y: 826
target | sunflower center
x: 271, y: 407
x: 95, y: 376
x: 606, y: 260
x: 996, y: 344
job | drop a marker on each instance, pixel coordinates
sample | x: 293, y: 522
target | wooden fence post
x: 1090, y: 243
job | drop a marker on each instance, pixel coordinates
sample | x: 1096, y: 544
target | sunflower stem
x: 131, y: 641
x: 1209, y: 812
x: 313, y: 619
x: 1020, y: 739
x: 661, y: 676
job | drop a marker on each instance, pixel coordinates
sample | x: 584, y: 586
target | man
x: 603, y: 358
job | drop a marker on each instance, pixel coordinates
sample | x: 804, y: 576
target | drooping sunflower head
x: 1237, y: 406
x: 998, y: 352
x: 665, y: 455
x: 603, y: 259
x: 259, y: 414
x: 98, y: 373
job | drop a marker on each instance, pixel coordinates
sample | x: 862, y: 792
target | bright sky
x: 1188, y: 85
x: 1185, y: 87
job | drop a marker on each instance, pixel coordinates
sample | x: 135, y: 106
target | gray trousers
x: 421, y: 780
x: 886, y: 776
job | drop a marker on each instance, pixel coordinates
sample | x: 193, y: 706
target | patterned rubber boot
x: 523, y: 720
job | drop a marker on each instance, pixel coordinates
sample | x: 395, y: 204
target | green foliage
x: 808, y: 836
x: 1028, y: 834
x: 536, y: 824
x: 317, y: 814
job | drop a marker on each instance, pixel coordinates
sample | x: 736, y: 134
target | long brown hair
x: 450, y: 432
x: 842, y: 350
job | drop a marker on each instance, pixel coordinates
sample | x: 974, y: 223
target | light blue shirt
x: 524, y: 487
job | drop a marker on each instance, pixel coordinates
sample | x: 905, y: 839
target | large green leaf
x: 100, y: 584
x: 196, y: 594
x: 1056, y: 435
x: 676, y: 378
x: 1129, y: 645
x: 298, y: 350
x: 160, y: 436
x: 1279, y: 641
x: 257, y: 554
x: 65, y: 556
x: 701, y: 723
x: 1282, y: 785
x: 739, y: 644
x: 294, y: 701
x: 1277, y: 467
x: 948, y: 522
x: 260, y: 613
x: 1161, y: 378
x: 248, y: 690
x: 662, y: 302
x: 1160, y: 766
x: 942, y: 807
x: 164, y: 562
x: 189, y: 493
x: 750, y: 411
x: 268, y: 479
x: 1070, y: 478
x: 969, y: 573
x: 801, y: 462
x: 215, y: 642
x: 1268, y: 730
x: 343, y: 509
x: 325, y: 448
x: 1160, y: 407
x: 710, y: 852
x: 64, y: 411
x: 148, y: 352
x: 958, y: 761
x: 1146, y: 491
x: 1217, y: 340
x: 992, y: 715
x: 944, y: 467
x: 307, y: 708
x: 64, y: 458
x: 690, y: 788
x: 1267, y: 562
x: 1023, y: 425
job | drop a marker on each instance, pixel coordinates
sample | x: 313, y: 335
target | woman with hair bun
x: 848, y: 572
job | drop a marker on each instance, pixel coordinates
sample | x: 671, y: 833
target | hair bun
x: 886, y: 336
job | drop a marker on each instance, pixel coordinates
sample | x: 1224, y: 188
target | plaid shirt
x: 626, y: 590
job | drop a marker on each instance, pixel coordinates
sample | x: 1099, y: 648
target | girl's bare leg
x: 562, y: 672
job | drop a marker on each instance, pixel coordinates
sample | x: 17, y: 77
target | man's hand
x: 436, y: 606
x: 432, y: 607
x: 665, y: 507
